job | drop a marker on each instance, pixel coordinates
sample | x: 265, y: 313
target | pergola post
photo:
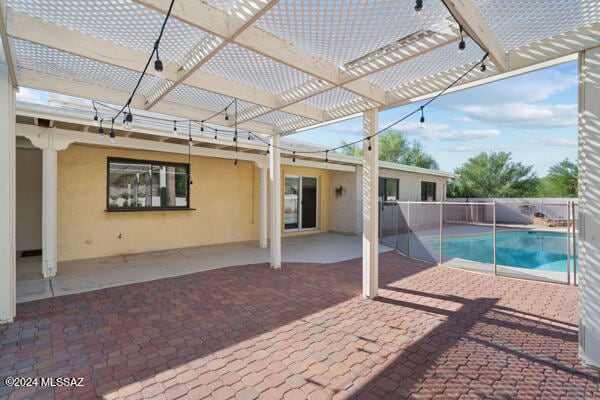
x: 275, y: 187
x: 263, y: 215
x: 49, y: 212
x: 588, y: 265
x: 370, y: 205
x: 7, y: 198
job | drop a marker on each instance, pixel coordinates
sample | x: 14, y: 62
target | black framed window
x: 428, y: 191
x: 146, y: 185
x: 389, y: 189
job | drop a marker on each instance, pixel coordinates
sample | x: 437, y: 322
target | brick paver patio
x: 305, y: 333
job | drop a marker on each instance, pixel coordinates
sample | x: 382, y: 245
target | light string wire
x: 368, y: 138
x: 251, y: 135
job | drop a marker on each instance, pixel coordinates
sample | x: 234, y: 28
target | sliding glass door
x: 300, y: 203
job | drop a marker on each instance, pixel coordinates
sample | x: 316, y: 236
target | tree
x: 494, y: 175
x: 352, y: 150
x: 393, y: 147
x: 561, y: 180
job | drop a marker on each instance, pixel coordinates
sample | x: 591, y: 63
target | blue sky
x: 533, y: 116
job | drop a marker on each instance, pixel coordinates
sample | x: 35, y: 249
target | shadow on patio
x: 305, y: 332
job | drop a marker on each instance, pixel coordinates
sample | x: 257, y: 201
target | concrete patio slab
x: 305, y: 332
x: 92, y: 274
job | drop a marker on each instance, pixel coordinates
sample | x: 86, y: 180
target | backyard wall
x: 516, y: 210
x: 225, y: 199
x: 29, y: 199
x: 345, y: 211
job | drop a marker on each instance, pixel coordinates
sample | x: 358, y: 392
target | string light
x: 101, y: 130
x: 461, y: 44
x: 418, y: 5
x: 294, y: 156
x: 158, y: 65
x: 111, y: 134
x: 422, y: 120
x: 128, y: 120
x: 191, y: 142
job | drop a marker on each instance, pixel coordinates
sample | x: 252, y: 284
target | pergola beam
x: 210, y: 46
x: 69, y: 87
x: 468, y: 15
x: 45, y: 33
x: 351, y: 78
x: 257, y: 40
x: 10, y: 60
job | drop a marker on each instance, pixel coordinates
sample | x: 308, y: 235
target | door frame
x: 300, y: 228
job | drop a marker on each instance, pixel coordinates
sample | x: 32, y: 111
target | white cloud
x: 519, y: 102
x: 553, y: 142
x: 525, y: 115
x: 461, y: 135
x: 442, y: 132
x: 466, y: 118
x: 31, y: 96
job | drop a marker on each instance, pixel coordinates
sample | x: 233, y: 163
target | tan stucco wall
x: 29, y: 199
x: 226, y: 201
x: 344, y: 209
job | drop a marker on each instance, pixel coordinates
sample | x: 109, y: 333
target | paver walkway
x: 305, y: 332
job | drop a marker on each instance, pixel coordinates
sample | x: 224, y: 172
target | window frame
x: 427, y: 183
x: 385, y: 192
x: 152, y: 163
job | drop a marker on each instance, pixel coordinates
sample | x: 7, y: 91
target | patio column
x: 49, y: 212
x: 7, y: 198
x: 588, y: 265
x: 275, y: 181
x: 262, y: 236
x: 370, y: 205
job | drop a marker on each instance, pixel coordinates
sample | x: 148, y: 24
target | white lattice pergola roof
x: 292, y: 64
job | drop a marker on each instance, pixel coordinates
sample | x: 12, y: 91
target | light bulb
x: 158, y: 69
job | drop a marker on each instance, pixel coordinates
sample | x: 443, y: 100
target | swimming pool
x: 540, y: 250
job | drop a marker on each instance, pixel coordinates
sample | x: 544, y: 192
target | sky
x: 533, y: 116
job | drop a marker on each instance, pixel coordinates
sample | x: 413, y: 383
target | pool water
x: 532, y: 250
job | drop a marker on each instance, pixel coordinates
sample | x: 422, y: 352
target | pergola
x: 291, y: 64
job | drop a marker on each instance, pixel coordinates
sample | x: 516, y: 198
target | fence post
x: 568, y: 242
x: 441, y: 230
x: 397, y: 208
x: 574, y: 245
x: 494, y: 215
x: 408, y: 225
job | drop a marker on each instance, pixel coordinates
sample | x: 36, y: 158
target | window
x: 146, y: 185
x: 428, y: 191
x: 388, y: 189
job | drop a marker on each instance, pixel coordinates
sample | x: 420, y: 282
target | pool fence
x: 463, y: 233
